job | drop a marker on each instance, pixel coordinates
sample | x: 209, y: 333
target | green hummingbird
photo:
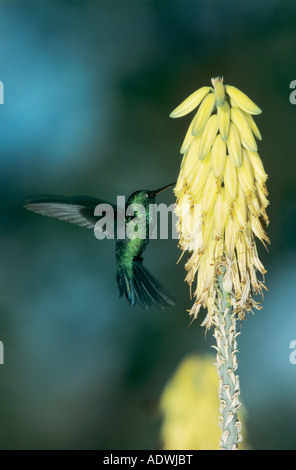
x: 133, y: 279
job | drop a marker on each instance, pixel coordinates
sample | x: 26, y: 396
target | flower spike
x: 223, y: 173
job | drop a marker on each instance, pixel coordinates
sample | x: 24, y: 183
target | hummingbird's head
x: 145, y: 196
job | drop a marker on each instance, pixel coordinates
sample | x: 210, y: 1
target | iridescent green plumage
x: 134, y: 280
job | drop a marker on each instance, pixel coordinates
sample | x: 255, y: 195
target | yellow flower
x: 223, y: 174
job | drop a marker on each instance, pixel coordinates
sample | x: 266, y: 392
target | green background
x: 88, y: 90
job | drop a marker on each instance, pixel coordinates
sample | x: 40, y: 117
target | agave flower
x: 222, y: 172
x: 222, y: 176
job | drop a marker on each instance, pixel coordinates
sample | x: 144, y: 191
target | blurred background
x: 88, y: 88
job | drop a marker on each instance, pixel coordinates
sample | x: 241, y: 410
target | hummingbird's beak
x: 162, y: 189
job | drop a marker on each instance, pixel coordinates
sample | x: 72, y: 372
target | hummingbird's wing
x: 77, y: 210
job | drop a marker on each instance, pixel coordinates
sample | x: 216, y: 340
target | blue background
x: 88, y: 89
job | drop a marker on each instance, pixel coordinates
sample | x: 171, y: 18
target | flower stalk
x: 225, y: 334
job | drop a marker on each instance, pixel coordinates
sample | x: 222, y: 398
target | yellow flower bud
x: 190, y: 162
x: 218, y: 156
x: 209, y: 193
x: 242, y: 100
x: 260, y: 174
x: 245, y: 132
x: 191, y: 102
x: 241, y: 208
x: 203, y: 114
x: 253, y: 125
x: 223, y: 113
x: 201, y: 174
x: 188, y: 139
x: 230, y: 179
x: 246, y: 175
x: 208, y: 136
x: 234, y: 145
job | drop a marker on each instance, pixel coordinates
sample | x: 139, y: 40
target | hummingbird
x: 133, y: 279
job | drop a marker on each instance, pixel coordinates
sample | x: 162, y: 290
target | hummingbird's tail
x: 142, y: 287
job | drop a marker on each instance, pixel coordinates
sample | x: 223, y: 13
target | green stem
x: 225, y: 334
